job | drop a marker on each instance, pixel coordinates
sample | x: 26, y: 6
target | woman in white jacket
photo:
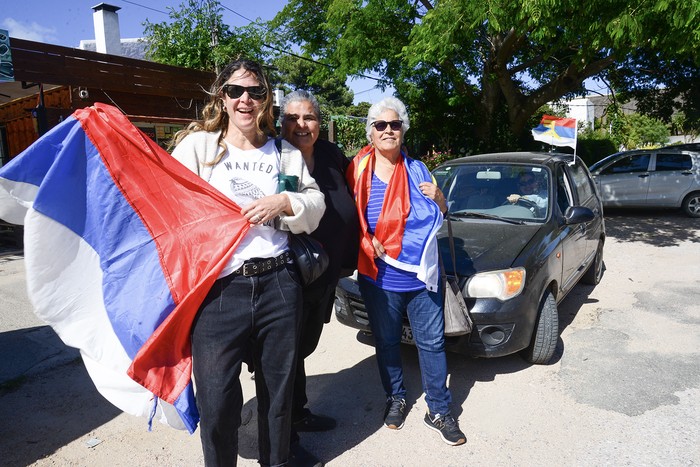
x: 254, y: 308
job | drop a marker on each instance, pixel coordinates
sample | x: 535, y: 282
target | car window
x: 486, y: 188
x: 582, y: 183
x: 629, y: 164
x: 670, y: 162
x: 564, y: 196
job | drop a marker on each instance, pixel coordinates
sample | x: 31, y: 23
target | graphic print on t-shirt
x: 244, y: 192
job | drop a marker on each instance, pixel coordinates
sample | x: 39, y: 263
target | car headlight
x: 502, y: 285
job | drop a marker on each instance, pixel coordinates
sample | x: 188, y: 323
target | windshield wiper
x: 482, y: 215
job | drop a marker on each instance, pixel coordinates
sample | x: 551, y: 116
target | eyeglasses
x: 381, y: 125
x: 235, y: 91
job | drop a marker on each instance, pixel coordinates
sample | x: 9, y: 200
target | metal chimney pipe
x: 106, y: 22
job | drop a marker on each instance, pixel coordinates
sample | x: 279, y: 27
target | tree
x: 642, y: 131
x: 197, y: 37
x: 480, y: 70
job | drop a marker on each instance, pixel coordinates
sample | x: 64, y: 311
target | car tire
x: 546, y: 333
x: 691, y: 204
x: 595, y: 271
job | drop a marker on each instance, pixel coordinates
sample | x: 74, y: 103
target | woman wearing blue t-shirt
x: 400, y: 211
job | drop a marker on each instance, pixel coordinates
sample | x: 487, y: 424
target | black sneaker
x: 312, y: 422
x: 394, y: 413
x: 300, y: 457
x: 448, y: 428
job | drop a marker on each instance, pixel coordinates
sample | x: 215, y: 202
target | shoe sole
x: 451, y: 443
x: 394, y: 427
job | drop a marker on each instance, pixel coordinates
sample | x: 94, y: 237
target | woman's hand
x: 267, y: 208
x: 432, y: 191
x: 378, y: 247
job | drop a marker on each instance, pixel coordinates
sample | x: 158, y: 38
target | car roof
x: 665, y: 149
x: 539, y: 158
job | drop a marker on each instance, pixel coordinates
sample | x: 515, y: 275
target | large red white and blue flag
x: 556, y: 131
x: 122, y: 244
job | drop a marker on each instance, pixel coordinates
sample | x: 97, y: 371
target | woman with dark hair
x: 254, y: 309
x: 300, y: 115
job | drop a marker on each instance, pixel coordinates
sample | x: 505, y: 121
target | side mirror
x: 578, y: 215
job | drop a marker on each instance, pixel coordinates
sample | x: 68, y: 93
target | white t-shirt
x: 245, y: 176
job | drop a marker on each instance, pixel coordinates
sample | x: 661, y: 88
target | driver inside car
x: 531, y: 190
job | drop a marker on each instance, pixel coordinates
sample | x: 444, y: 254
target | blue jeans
x: 386, y: 311
x: 243, y: 317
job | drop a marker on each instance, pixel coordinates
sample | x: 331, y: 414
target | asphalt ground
x: 623, y: 388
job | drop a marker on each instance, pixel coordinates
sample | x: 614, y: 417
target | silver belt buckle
x: 249, y: 269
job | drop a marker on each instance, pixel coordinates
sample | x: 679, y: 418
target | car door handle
x: 687, y: 172
x: 643, y: 175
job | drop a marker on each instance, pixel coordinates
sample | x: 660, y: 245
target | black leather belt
x: 257, y: 266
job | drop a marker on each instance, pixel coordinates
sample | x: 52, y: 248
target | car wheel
x: 546, y: 333
x: 595, y: 270
x: 691, y: 204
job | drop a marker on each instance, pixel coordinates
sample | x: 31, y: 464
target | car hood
x: 485, y: 246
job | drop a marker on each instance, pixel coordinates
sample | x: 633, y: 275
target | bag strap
x: 443, y: 273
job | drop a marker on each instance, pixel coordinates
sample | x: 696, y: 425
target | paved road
x: 624, y: 388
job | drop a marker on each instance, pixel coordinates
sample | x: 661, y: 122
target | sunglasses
x: 235, y: 91
x: 529, y: 181
x: 381, y: 125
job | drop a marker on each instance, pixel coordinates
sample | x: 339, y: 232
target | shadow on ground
x: 354, y: 397
x: 60, y: 406
x: 656, y: 227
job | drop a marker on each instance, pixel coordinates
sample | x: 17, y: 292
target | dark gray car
x: 515, y: 260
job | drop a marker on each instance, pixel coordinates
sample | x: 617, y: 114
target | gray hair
x: 388, y: 103
x: 299, y: 96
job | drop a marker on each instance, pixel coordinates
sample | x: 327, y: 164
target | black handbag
x: 309, y: 256
x: 458, y: 322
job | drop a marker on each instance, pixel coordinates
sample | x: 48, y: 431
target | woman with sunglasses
x: 400, y: 211
x: 253, y: 310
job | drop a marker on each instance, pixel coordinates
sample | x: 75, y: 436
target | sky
x: 67, y: 22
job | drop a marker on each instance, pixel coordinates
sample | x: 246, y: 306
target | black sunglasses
x: 235, y: 91
x: 381, y: 125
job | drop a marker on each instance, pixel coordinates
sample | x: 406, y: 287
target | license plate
x: 407, y: 335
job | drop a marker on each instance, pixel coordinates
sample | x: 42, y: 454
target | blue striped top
x: 388, y: 277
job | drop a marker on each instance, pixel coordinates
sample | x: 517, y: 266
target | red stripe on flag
x: 194, y: 226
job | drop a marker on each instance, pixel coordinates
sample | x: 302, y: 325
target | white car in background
x: 650, y: 178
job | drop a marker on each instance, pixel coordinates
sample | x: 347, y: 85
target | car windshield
x: 505, y: 191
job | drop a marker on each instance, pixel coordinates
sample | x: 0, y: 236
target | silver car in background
x: 650, y: 178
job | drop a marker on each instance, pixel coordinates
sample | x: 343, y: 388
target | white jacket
x: 198, y: 149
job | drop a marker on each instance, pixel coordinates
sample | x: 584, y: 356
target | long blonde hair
x: 214, y: 116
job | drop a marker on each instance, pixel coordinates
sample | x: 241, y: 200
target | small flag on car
x: 556, y: 131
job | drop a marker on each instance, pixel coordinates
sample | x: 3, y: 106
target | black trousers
x: 258, y: 316
x: 317, y: 299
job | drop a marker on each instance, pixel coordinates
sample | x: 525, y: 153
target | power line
x: 146, y: 7
x: 286, y: 52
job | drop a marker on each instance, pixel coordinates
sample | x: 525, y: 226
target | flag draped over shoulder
x: 122, y: 244
x: 556, y: 131
x: 408, y: 224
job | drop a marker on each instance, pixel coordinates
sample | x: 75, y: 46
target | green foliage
x: 474, y: 73
x: 642, y: 131
x: 350, y: 134
x: 436, y: 158
x: 592, y: 146
x: 196, y: 37
x: 294, y: 72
